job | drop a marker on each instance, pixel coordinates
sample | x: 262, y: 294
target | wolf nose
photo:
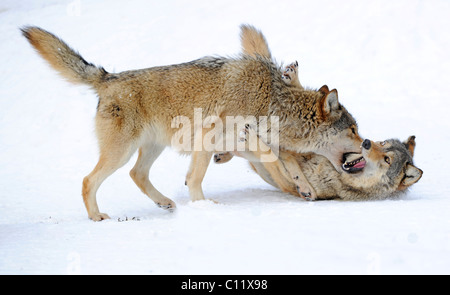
x: 366, y: 144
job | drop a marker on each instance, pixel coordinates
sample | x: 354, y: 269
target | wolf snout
x: 366, y: 144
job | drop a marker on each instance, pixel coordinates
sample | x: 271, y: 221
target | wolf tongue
x: 360, y: 165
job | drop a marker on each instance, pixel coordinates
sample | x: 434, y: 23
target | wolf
x: 383, y: 169
x: 136, y: 110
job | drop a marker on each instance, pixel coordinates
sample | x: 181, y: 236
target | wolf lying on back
x: 383, y: 169
x: 136, y: 110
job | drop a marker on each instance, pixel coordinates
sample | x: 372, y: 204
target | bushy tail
x: 62, y: 58
x: 253, y: 42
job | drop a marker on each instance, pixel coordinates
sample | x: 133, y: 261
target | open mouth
x: 353, y: 163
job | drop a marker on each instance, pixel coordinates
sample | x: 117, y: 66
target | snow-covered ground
x: 388, y: 59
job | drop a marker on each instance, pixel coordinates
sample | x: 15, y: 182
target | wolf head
x: 319, y: 124
x: 383, y: 168
x: 338, y: 132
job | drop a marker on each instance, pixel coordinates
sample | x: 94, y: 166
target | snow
x: 388, y: 59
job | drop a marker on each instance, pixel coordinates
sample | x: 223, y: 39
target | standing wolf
x: 136, y: 110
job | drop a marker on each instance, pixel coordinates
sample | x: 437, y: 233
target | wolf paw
x: 170, y: 206
x: 290, y: 73
x: 244, y: 133
x: 99, y: 216
x: 222, y: 157
x: 306, y: 192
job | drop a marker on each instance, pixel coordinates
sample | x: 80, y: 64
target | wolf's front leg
x: 285, y: 164
x: 197, y: 170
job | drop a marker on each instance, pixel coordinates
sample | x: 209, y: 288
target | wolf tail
x: 62, y: 58
x: 253, y: 42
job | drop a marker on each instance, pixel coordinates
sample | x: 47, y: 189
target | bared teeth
x: 353, y: 163
x: 350, y: 166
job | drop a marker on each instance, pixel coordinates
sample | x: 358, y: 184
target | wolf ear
x: 330, y: 102
x: 410, y: 144
x: 324, y: 89
x: 412, y: 175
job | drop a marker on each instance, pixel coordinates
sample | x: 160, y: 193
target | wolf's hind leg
x: 285, y: 164
x: 140, y: 172
x: 290, y: 75
x: 294, y: 172
x: 221, y: 158
x: 110, y: 160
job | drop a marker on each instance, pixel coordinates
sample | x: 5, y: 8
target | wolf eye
x: 387, y: 160
x: 383, y: 142
x: 354, y: 130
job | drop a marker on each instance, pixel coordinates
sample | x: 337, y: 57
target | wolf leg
x: 284, y: 166
x: 199, y: 164
x: 294, y: 172
x: 221, y: 158
x: 110, y: 160
x: 140, y: 172
x: 290, y: 75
